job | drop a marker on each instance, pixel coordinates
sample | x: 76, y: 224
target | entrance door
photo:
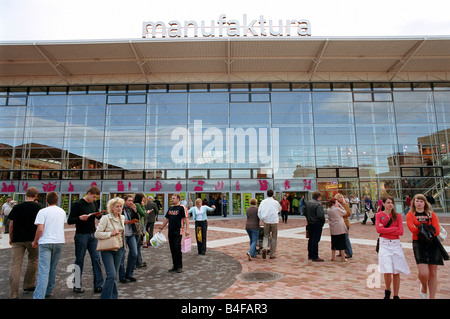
x: 67, y: 200
x: 236, y: 204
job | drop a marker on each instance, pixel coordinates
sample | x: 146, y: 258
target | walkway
x: 225, y: 272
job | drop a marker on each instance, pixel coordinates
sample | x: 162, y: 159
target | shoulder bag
x: 378, y: 240
x: 109, y: 244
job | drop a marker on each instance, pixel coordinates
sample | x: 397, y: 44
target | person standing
x: 391, y: 260
x: 178, y: 219
x: 131, y: 220
x: 152, y: 211
x: 268, y: 212
x: 341, y: 199
x: 50, y: 239
x: 337, y: 228
x: 427, y: 253
x: 285, y: 208
x: 199, y: 215
x: 140, y: 200
x: 224, y: 206
x: 112, y: 224
x: 21, y: 235
x: 315, y: 219
x: 252, y: 228
x: 83, y: 214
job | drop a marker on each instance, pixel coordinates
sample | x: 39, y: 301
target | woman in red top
x: 427, y: 253
x: 391, y: 259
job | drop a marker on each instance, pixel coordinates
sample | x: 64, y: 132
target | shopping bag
x: 186, y: 245
x: 158, y: 239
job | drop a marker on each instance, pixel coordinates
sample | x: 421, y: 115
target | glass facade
x: 355, y: 138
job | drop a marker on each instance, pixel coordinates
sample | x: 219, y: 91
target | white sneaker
x: 422, y: 294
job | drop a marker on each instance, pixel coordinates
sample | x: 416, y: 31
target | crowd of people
x: 39, y: 231
x: 421, y: 221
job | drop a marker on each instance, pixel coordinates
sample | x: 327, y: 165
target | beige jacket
x: 337, y: 224
x: 105, y: 227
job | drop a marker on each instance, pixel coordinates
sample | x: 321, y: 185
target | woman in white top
x: 199, y: 215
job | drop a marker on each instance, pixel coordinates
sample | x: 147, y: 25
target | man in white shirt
x: 268, y: 212
x: 50, y: 240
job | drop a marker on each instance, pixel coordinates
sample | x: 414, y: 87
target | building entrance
x: 295, y: 199
x: 209, y: 199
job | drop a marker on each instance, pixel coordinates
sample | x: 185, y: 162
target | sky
x: 40, y: 20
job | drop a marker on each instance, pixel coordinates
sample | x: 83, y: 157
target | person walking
x: 22, y: 232
x: 338, y: 229
x: 315, y: 219
x: 368, y: 210
x: 199, y: 215
x: 426, y: 251
x: 252, y: 228
x: 285, y: 208
x: 268, y: 212
x: 112, y: 224
x: 178, y: 219
x: 83, y: 214
x: 6, y: 209
x: 391, y: 260
x: 50, y: 240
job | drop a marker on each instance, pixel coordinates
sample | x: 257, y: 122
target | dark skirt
x: 427, y: 253
x: 338, y: 242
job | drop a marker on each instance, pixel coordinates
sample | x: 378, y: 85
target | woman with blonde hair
x: 391, y: 260
x: 426, y: 251
x: 112, y: 224
x: 338, y: 229
x: 199, y: 215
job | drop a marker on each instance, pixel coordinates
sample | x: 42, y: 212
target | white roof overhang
x: 202, y: 60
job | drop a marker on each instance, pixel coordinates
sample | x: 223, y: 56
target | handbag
x: 426, y: 232
x: 378, y: 240
x: 442, y: 234
x: 109, y: 244
x: 186, y: 245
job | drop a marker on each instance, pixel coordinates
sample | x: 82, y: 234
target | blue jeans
x: 254, y: 235
x: 48, y: 260
x: 111, y: 261
x: 348, y: 250
x: 315, y: 234
x: 88, y: 242
x: 132, y: 258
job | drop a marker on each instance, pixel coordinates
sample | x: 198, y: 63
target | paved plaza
x: 226, y: 273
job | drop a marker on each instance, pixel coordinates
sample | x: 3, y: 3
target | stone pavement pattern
x: 222, y: 272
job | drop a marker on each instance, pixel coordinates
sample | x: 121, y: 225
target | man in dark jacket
x: 315, y: 218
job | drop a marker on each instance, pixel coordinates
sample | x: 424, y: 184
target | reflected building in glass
x: 228, y: 140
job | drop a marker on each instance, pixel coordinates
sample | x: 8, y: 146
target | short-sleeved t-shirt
x: 175, y: 215
x: 53, y: 219
x: 23, y: 215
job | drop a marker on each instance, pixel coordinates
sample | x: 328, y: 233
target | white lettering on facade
x: 223, y: 27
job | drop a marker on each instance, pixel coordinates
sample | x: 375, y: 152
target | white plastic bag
x: 158, y: 240
x: 442, y: 234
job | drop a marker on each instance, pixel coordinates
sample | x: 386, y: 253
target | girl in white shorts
x: 391, y: 260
